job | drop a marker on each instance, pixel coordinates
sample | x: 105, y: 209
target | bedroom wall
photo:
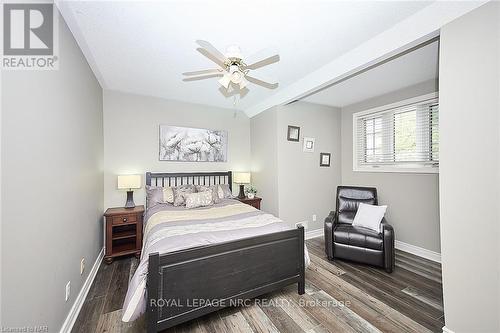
x: 412, y: 199
x: 305, y: 188
x: 291, y: 182
x: 264, y: 156
x: 470, y: 170
x: 52, y: 186
x: 131, y: 138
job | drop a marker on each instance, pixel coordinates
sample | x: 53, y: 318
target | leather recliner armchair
x: 345, y: 241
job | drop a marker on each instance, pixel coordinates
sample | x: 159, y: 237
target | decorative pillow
x: 159, y: 195
x: 224, y: 192
x: 180, y: 193
x: 369, y: 216
x: 199, y: 199
x: 168, y: 195
x: 212, y: 189
x: 154, y: 195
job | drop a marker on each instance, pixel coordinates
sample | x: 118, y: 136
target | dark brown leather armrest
x: 389, y: 250
x: 329, y: 222
x: 385, y: 225
x: 330, y: 217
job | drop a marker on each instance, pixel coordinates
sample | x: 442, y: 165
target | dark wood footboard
x: 190, y: 283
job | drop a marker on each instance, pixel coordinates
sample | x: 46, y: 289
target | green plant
x: 251, y: 189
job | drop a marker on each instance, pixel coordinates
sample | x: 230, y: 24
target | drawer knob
x: 124, y: 219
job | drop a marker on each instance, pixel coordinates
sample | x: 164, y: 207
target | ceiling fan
x: 234, y: 71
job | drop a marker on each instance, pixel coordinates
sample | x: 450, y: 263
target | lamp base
x: 130, y: 200
x: 241, y: 195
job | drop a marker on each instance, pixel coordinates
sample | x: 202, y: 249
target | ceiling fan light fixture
x: 243, y: 83
x: 225, y: 80
x: 233, y: 68
x: 236, y: 77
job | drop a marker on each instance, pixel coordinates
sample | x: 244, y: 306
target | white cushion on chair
x: 369, y: 216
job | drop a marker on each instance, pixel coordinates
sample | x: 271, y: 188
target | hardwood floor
x: 340, y: 297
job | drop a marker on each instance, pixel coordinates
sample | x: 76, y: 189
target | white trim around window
x: 387, y: 146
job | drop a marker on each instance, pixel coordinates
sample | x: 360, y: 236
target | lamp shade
x: 242, y: 177
x: 126, y: 182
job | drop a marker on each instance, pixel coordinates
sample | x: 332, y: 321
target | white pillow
x: 369, y: 216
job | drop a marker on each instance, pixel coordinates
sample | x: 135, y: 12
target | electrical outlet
x: 82, y: 266
x: 68, y: 290
x: 314, y: 218
x: 302, y: 223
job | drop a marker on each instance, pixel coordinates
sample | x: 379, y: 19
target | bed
x: 196, y: 261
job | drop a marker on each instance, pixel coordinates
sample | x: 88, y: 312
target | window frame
x: 401, y: 167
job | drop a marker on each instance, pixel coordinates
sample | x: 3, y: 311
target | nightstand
x: 123, y: 232
x: 255, y: 202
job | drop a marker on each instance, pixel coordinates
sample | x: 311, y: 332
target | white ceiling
x: 143, y: 47
x: 409, y: 69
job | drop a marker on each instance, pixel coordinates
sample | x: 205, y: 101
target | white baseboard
x: 418, y: 251
x: 77, y: 306
x: 447, y: 330
x: 314, y: 233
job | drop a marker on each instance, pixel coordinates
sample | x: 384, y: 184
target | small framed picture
x: 324, y: 159
x: 293, y: 133
x: 309, y: 145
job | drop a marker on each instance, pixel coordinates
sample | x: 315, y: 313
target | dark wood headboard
x: 184, y: 178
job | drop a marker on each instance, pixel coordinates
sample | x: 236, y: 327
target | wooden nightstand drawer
x: 122, y: 219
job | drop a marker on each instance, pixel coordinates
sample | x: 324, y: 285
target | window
x: 400, y: 137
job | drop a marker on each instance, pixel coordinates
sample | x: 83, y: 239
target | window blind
x: 403, y: 135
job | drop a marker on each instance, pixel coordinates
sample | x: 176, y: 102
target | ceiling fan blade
x: 212, y: 50
x: 203, y: 77
x: 211, y: 57
x: 203, y: 72
x: 262, y: 58
x: 267, y: 82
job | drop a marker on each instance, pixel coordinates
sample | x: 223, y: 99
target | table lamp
x: 242, y: 178
x: 129, y: 182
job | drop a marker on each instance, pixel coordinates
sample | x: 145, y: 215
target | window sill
x: 398, y: 169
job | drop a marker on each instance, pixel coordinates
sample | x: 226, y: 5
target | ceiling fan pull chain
x: 235, y: 102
